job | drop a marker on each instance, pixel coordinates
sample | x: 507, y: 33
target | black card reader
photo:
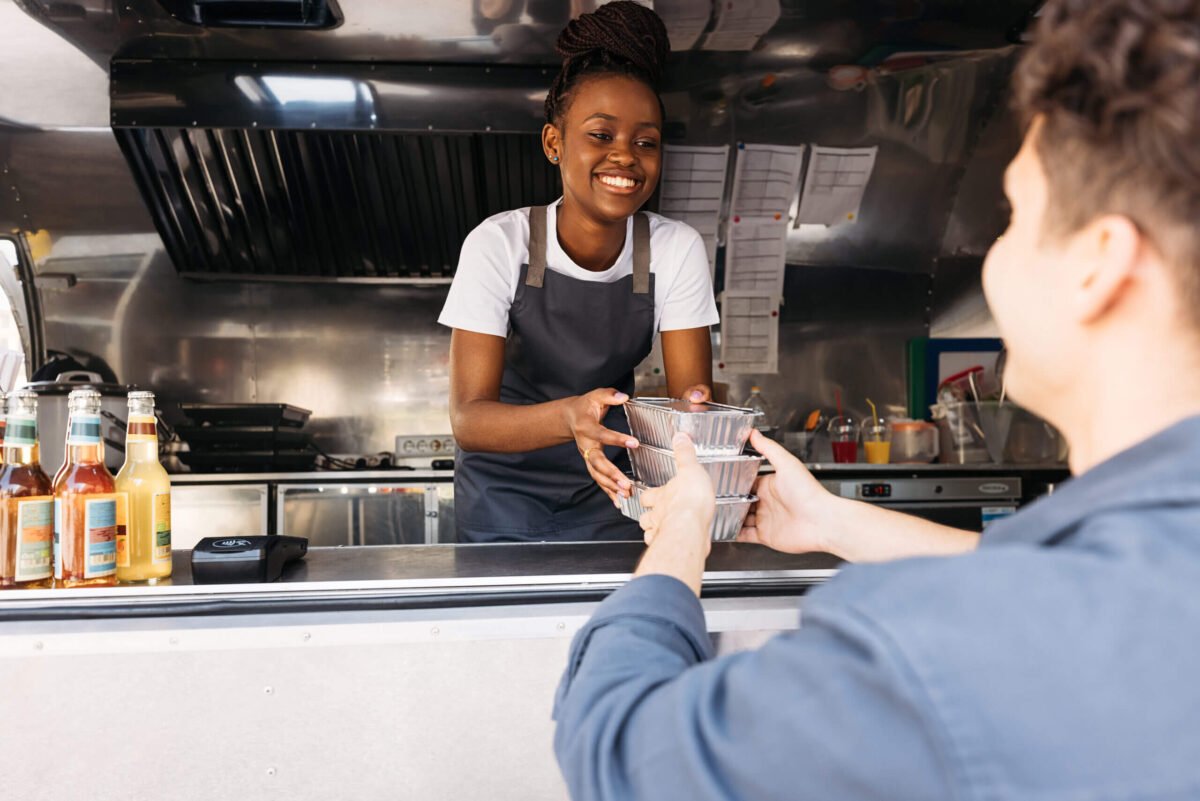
x: 238, y: 560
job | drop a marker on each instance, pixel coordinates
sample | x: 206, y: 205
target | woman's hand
x: 793, y: 509
x: 584, y: 415
x: 699, y: 393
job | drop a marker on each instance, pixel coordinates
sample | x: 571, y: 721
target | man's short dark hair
x: 1116, y: 85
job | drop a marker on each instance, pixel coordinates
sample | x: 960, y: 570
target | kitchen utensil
x: 716, y: 429
x: 970, y: 433
x: 913, y: 442
x: 731, y: 512
x: 731, y: 475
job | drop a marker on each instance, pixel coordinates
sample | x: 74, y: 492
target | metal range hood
x: 307, y: 205
x: 366, y: 152
x: 345, y: 172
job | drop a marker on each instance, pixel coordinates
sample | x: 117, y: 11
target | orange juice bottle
x: 85, y: 502
x: 144, y: 499
x: 26, y: 501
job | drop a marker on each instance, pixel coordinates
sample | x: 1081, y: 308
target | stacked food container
x: 719, y: 433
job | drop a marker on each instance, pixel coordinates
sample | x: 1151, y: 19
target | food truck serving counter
x: 419, y: 671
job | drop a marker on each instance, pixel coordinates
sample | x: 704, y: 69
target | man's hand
x: 678, y: 523
x: 793, y: 509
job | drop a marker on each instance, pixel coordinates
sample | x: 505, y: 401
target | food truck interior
x: 255, y: 209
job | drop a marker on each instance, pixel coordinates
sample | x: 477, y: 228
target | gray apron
x: 566, y: 337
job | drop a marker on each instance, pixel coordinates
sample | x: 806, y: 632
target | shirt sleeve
x: 829, y: 711
x: 690, y: 302
x: 483, y: 288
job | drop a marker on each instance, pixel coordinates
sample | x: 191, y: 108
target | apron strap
x: 537, y: 250
x: 641, y: 254
x: 537, y: 246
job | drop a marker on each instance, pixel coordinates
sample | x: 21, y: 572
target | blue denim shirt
x: 1061, y: 660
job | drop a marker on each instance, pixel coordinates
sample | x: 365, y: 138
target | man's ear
x: 1106, y: 252
x: 552, y: 143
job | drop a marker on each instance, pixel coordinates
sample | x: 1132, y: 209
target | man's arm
x: 828, y: 712
x: 795, y: 514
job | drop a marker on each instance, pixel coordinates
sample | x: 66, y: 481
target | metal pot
x: 52, y: 416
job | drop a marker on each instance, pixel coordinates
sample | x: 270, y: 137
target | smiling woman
x: 553, y: 307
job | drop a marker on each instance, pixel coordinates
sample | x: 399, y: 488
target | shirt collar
x: 1162, y: 469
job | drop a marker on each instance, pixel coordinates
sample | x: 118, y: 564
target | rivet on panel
x: 312, y: 125
x: 307, y: 636
x: 37, y: 646
x: 174, y: 641
x: 435, y: 631
x: 269, y: 690
x: 562, y: 626
x: 254, y: 125
x: 270, y: 771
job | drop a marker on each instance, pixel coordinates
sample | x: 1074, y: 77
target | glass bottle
x: 85, y: 502
x: 144, y: 493
x: 26, y: 501
x: 3, y: 424
x: 58, y: 474
x: 759, y: 404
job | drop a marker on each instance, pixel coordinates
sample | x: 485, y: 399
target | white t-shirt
x: 489, y: 268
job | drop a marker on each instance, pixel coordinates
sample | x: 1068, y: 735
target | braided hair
x: 618, y: 38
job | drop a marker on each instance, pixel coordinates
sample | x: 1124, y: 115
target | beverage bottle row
x: 84, y: 528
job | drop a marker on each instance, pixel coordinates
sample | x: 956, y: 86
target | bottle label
x: 162, y: 527
x: 85, y: 429
x: 141, y: 428
x: 100, y: 536
x: 122, y: 529
x: 58, y: 538
x: 35, y: 538
x: 21, y: 431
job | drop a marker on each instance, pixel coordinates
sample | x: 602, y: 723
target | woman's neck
x: 592, y: 245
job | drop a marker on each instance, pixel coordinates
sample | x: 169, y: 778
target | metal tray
x: 244, y: 438
x: 732, y: 476
x: 731, y: 512
x: 719, y: 430
x: 245, y: 414
x: 249, y: 461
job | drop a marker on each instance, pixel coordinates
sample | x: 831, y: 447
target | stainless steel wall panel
x: 370, y: 359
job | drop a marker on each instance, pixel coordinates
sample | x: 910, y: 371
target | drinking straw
x: 874, y: 418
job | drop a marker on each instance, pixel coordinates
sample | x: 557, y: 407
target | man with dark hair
x: 1059, y: 657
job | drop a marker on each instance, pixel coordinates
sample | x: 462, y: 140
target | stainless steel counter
x: 402, y: 476
x: 329, y: 579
